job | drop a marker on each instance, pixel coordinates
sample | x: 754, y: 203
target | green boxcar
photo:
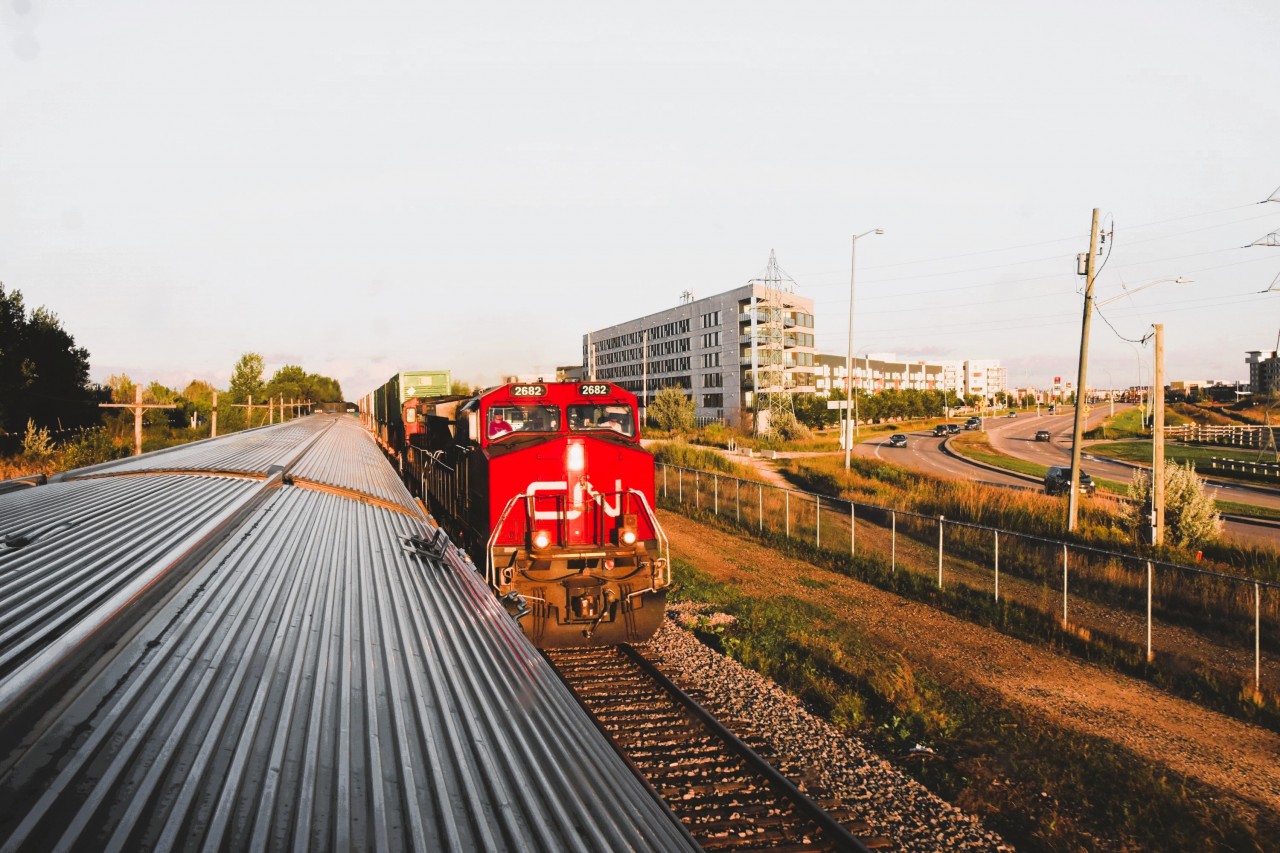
x: 388, y: 399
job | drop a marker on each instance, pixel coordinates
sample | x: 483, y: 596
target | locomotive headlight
x: 541, y: 539
x: 577, y: 458
x: 628, y: 537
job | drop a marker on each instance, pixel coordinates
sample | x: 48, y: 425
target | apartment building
x: 1264, y: 371
x: 873, y: 373
x: 715, y: 349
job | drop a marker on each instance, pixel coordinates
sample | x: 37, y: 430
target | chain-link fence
x: 1200, y: 626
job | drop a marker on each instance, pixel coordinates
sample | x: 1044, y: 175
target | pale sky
x: 363, y: 188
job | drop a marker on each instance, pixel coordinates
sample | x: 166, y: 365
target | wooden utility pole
x: 138, y: 408
x: 1157, y: 442
x: 1077, y: 431
x: 250, y: 406
x: 214, y: 418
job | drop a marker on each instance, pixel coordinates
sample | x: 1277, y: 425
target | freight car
x: 547, y: 487
x: 383, y: 408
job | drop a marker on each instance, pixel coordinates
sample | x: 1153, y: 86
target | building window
x: 712, y: 401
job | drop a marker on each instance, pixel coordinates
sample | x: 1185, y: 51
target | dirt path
x: 1239, y: 760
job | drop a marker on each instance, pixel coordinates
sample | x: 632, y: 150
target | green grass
x: 976, y: 446
x: 1042, y: 788
x: 1249, y: 510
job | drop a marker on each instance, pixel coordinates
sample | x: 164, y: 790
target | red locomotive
x: 547, y: 488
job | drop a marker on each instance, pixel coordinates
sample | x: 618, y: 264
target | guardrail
x: 1227, y: 626
x: 1264, y: 470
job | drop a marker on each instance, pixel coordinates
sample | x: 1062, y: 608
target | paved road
x: 1016, y: 437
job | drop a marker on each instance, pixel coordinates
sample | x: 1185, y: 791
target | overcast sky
x: 363, y: 188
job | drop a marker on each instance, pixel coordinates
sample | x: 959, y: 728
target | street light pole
x: 848, y: 360
x: 1157, y: 442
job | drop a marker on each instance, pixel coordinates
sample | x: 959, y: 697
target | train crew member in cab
x: 498, y: 426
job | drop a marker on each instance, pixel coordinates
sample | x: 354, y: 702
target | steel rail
x: 835, y: 832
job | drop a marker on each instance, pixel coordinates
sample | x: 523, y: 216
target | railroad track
x: 728, y: 797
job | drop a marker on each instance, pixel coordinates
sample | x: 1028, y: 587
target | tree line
x: 47, y: 398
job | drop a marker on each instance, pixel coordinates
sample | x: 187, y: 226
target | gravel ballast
x: 821, y: 759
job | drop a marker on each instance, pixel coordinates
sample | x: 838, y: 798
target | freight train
x: 546, y: 486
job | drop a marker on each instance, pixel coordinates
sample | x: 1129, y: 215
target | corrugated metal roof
x: 346, y: 457
x: 252, y: 451
x: 312, y: 683
x: 73, y: 549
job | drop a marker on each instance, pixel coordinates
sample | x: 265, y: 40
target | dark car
x: 1043, y: 435
x: 1013, y: 414
x: 897, y: 440
x: 953, y: 429
x: 973, y: 423
x: 1057, y: 481
x: 940, y: 429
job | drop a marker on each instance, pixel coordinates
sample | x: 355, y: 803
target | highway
x: 1016, y: 437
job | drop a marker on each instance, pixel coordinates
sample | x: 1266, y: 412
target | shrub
x: 1190, y: 518
x: 672, y: 411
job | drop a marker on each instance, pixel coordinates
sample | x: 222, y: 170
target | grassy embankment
x: 1043, y: 788
x: 1107, y: 584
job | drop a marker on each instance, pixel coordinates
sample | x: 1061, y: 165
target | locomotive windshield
x: 508, y: 420
x: 594, y: 416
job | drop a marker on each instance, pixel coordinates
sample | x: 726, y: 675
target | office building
x: 716, y: 350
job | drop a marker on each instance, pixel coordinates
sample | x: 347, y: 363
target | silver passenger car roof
x: 266, y: 658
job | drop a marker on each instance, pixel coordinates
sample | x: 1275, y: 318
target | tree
x: 246, y: 378
x: 1190, y: 516
x: 44, y: 376
x: 672, y: 411
x: 293, y: 383
x: 812, y: 411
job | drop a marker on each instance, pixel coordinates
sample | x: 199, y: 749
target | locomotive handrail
x: 664, y: 546
x: 490, y: 569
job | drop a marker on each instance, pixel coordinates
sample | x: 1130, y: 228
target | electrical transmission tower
x: 772, y: 381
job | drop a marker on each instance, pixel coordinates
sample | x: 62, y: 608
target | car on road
x: 897, y: 440
x: 1057, y: 481
x: 1013, y: 414
x: 1053, y: 410
x: 953, y: 429
x: 973, y: 423
x: 940, y: 430
x: 1043, y: 435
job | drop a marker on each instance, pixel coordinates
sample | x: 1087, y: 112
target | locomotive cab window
x: 593, y: 416
x: 513, y: 419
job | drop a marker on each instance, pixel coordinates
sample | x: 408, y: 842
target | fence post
x: 940, y: 520
x: 1257, y: 638
x: 760, y: 513
x: 997, y: 552
x: 1064, y: 584
x: 697, y: 489
x: 786, y: 506
x: 817, y: 522
x: 716, y: 491
x: 737, y: 500
x: 664, y: 479
x: 893, y: 541
x: 853, y: 531
x: 1151, y: 576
